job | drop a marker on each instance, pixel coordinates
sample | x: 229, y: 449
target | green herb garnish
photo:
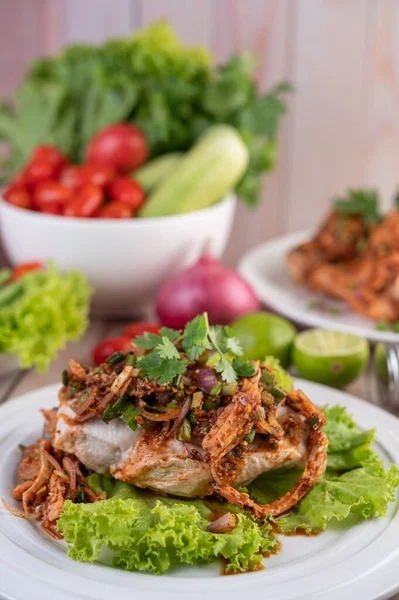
x: 114, y: 358
x: 164, y: 361
x: 124, y: 409
x: 65, y: 377
x: 250, y: 436
x: 363, y: 203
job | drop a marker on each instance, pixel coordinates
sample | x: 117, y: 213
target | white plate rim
x: 380, y: 582
x: 267, y: 291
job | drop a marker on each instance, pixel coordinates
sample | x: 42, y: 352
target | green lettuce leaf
x: 144, y: 533
x: 283, y: 378
x: 355, y: 484
x: 50, y: 310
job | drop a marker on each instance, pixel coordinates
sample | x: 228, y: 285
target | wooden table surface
x: 23, y: 382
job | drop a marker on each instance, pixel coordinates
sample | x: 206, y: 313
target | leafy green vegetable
x: 144, y: 533
x: 362, y: 491
x: 283, y: 378
x: 124, y: 409
x: 49, y: 310
x: 149, y: 79
x: 165, y: 362
x: 360, y: 202
x: 147, y: 533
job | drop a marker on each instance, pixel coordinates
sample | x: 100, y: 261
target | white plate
x: 358, y: 563
x: 266, y: 270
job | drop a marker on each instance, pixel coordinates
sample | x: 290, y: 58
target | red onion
x: 206, y: 286
x: 204, y: 378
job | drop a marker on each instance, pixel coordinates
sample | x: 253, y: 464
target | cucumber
x: 203, y: 176
x: 156, y: 170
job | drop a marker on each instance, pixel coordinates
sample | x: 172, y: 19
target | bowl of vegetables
x: 135, y: 152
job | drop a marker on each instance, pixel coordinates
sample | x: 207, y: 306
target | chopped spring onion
x: 267, y: 377
x: 250, y: 436
x: 277, y: 392
x: 197, y: 400
x: 184, y: 431
x: 210, y: 405
x: 65, y: 377
x: 229, y: 389
x: 217, y: 388
x: 114, y: 358
x: 130, y: 361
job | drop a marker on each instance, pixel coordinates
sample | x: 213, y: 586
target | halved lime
x: 330, y: 357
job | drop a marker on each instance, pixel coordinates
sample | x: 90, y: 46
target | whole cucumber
x: 203, y: 176
x: 156, y: 170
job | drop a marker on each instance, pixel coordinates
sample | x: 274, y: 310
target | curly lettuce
x: 143, y: 533
x: 49, y: 310
x: 283, y: 378
x: 354, y: 486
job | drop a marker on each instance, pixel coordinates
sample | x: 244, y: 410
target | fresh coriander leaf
x: 233, y: 344
x: 243, y: 368
x: 195, y: 334
x: 166, y: 349
x: 171, y: 334
x: 163, y: 370
x: 148, y: 341
x: 169, y: 370
x: 226, y: 370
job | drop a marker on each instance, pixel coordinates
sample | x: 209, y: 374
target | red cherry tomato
x: 116, y: 210
x: 25, y: 268
x: 86, y: 203
x: 134, y: 329
x: 101, y: 176
x: 16, y: 181
x: 122, y: 146
x: 36, y: 172
x: 18, y: 196
x: 51, y: 155
x: 127, y: 191
x: 106, y: 348
x: 50, y: 197
x: 71, y: 176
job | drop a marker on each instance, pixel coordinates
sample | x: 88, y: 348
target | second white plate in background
x: 264, y: 267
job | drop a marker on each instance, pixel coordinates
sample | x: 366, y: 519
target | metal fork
x: 387, y: 392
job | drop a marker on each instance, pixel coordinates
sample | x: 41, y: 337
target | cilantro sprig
x: 164, y: 362
x: 364, y: 203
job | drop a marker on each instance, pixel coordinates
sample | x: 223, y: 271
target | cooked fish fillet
x: 136, y: 458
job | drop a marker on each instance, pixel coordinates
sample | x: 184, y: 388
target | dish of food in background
x: 354, y: 257
x: 234, y: 534
x: 40, y: 310
x: 264, y: 267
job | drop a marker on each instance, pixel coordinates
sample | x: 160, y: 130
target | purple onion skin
x: 204, y: 377
x: 208, y: 286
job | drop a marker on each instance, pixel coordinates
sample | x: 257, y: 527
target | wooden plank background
x: 342, y: 127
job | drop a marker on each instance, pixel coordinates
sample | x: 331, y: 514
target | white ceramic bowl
x: 126, y: 261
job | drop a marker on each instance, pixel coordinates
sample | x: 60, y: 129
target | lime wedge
x: 330, y: 357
